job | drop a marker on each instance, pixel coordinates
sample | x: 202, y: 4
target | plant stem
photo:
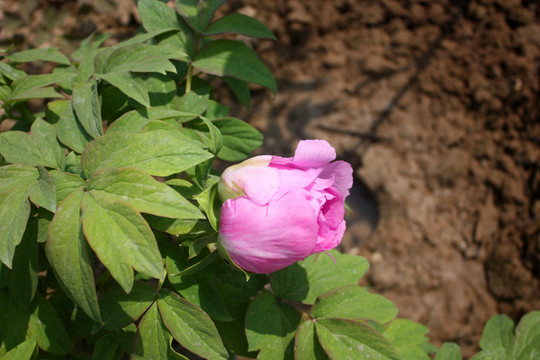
x: 188, y: 78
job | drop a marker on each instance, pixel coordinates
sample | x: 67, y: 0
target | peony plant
x: 112, y: 218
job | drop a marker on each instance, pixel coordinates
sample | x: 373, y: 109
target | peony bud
x: 279, y: 210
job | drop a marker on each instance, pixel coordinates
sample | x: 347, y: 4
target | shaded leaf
x: 240, y: 24
x: 191, y: 326
x: 119, y: 309
x: 270, y: 327
x: 240, y: 89
x: 198, y: 13
x: 23, y: 279
x: 17, y: 318
x: 233, y: 58
x: 46, y: 326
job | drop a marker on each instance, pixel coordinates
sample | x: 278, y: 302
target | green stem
x: 188, y: 78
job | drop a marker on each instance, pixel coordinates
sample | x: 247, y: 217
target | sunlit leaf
x: 121, y: 238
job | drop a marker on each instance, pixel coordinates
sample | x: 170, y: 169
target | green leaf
x: 408, y: 338
x: 67, y: 255
x: 239, y: 139
x: 216, y: 110
x: 211, y: 205
x: 198, y: 13
x: 194, y: 102
x: 23, y: 351
x: 198, y: 288
x: 142, y: 58
x: 527, y: 338
x: 449, y: 351
x: 91, y: 42
x: 153, y: 340
x: 65, y: 184
x: 222, y: 292
x: 161, y: 89
x: 240, y: 24
x: 55, y: 109
x: 106, y: 347
x: 43, y: 220
x: 87, y: 65
x: 240, y: 89
x: 354, y: 303
x: 129, y: 84
x: 87, y: 108
x: 43, y: 193
x: 305, y: 280
x: 121, y: 238
x: 307, y: 345
x: 270, y: 327
x: 11, y: 72
x: 71, y: 132
x: 16, y: 182
x: 233, y: 336
x: 14, y: 212
x: 43, y: 54
x: 46, y: 326
x: 120, y: 309
x: 142, y: 191
x: 191, y: 326
x: 158, y: 152
x: 496, y: 354
x: 17, y: 318
x: 234, y: 58
x: 40, y: 147
x: 342, y: 339
x: 23, y: 279
x: 33, y: 86
x: 498, y: 332
x: 156, y: 15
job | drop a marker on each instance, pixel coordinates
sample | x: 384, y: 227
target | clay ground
x: 436, y: 105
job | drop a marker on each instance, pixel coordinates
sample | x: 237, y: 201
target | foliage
x: 109, y: 214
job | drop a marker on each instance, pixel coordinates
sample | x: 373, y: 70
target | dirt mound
x: 436, y: 105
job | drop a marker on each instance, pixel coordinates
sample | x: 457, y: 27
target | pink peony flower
x: 279, y: 210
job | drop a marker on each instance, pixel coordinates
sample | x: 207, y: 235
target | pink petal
x: 331, y: 238
x: 313, y: 154
x: 264, y: 239
x: 298, y: 178
x: 259, y: 183
x: 342, y: 172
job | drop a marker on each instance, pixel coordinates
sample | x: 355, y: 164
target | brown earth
x: 435, y: 103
